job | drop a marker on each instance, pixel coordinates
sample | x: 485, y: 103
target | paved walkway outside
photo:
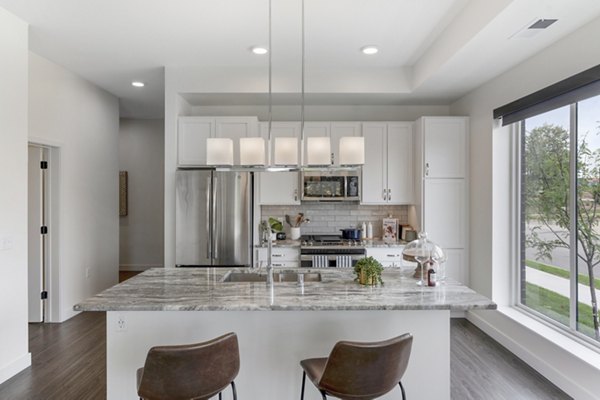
x: 558, y: 284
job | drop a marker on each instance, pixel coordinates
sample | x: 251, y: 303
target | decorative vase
x: 295, y: 233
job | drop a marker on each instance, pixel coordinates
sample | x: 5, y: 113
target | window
x: 559, y: 271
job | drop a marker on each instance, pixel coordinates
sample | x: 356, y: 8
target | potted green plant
x: 368, y: 271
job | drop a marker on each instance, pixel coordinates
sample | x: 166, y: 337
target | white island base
x: 272, y: 343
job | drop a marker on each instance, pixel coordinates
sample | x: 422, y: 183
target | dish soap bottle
x: 363, y: 231
x: 370, y: 231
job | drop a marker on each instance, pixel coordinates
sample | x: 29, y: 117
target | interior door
x: 36, y: 245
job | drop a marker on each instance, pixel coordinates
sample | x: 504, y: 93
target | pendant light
x: 219, y: 151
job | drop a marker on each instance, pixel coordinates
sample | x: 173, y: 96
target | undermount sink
x: 277, y: 277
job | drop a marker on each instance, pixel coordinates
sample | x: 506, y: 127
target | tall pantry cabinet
x: 441, y: 149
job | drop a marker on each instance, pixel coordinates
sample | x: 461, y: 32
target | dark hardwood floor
x: 69, y: 362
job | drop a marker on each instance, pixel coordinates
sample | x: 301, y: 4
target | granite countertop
x: 202, y: 289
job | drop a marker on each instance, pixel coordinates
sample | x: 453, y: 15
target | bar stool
x: 361, y: 371
x: 194, y: 371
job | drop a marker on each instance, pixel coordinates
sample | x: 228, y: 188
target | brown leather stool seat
x: 360, y: 371
x: 190, y: 372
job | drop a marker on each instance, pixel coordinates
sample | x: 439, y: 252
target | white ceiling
x: 440, y: 49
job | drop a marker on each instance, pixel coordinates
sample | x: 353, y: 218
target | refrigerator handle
x: 214, y: 218
x: 208, y: 242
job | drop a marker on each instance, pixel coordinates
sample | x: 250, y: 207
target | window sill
x: 586, y: 353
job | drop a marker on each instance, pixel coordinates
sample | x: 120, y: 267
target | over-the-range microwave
x: 331, y: 185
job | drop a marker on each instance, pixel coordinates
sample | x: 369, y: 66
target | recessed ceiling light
x: 370, y: 50
x: 259, y: 50
x: 137, y: 84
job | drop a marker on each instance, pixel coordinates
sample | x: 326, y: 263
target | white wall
x: 490, y: 196
x: 83, y: 120
x: 141, y: 154
x: 14, y: 354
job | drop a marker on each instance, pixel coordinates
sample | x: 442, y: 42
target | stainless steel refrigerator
x: 213, y: 219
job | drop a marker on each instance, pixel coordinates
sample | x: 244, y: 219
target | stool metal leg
x: 233, y: 390
x: 303, y: 382
x: 324, y: 395
x: 220, y: 396
x: 402, y: 388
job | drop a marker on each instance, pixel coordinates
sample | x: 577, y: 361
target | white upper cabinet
x: 193, y: 132
x: 191, y: 139
x: 278, y: 188
x: 444, y: 145
x: 374, y: 172
x: 388, y: 170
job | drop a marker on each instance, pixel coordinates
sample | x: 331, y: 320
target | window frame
x: 517, y: 143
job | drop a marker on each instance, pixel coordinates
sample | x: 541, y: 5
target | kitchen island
x: 279, y: 324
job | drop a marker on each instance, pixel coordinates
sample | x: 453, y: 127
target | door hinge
x: 44, y: 230
x: 44, y: 164
x: 44, y: 295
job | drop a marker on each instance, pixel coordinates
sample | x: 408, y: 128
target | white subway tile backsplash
x: 329, y: 218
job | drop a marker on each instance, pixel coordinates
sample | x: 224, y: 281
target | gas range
x: 328, y: 241
x: 321, y: 251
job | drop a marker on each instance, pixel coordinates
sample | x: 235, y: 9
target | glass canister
x: 430, y: 258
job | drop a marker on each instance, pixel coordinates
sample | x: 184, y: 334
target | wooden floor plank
x: 483, y: 369
x: 69, y: 362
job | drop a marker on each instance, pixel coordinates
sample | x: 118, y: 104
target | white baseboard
x: 138, y: 267
x: 16, y: 366
x: 558, y: 363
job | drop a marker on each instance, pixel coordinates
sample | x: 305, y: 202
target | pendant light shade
x: 318, y: 151
x: 252, y: 151
x: 352, y: 150
x: 219, y: 151
x: 286, y: 151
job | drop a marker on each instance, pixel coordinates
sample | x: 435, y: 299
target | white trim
x: 565, y: 362
x: 138, y: 267
x: 44, y: 142
x: 16, y: 366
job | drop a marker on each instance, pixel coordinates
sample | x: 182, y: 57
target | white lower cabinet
x: 281, y: 257
x: 387, y: 256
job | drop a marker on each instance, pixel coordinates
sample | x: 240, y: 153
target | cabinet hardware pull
x: 276, y: 255
x: 295, y: 194
x: 426, y: 169
x: 383, y: 195
x: 390, y: 194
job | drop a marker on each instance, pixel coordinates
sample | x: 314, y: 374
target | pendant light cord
x: 270, y: 77
x: 302, y: 85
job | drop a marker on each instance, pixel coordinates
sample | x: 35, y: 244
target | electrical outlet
x: 7, y: 243
x: 121, y: 324
x: 87, y: 272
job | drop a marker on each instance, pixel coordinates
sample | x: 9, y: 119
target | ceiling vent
x: 533, y: 28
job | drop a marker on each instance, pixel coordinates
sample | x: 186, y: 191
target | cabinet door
x: 400, y: 179
x: 444, y: 212
x: 340, y: 130
x: 192, y: 133
x: 374, y: 176
x: 278, y: 188
x: 455, y: 266
x: 444, y: 145
x: 236, y: 128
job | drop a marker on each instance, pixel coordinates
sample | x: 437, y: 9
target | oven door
x: 329, y: 260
